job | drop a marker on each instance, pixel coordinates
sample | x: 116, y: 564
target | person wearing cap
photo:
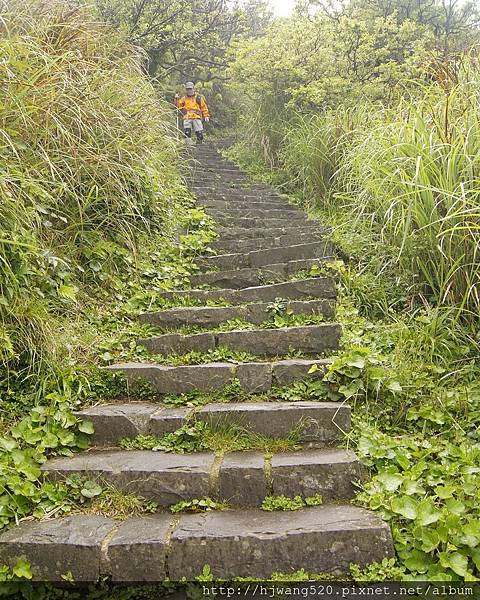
x: 193, y: 108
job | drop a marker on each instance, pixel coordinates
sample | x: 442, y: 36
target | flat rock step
x: 255, y: 213
x: 268, y: 256
x: 229, y: 234
x: 248, y: 277
x: 246, y: 204
x: 211, y: 316
x: 253, y: 377
x: 251, y: 244
x: 237, y: 195
x: 311, y: 340
x: 226, y: 188
x: 320, y: 423
x: 241, y: 478
x: 150, y: 548
x: 246, y: 222
x: 313, y: 287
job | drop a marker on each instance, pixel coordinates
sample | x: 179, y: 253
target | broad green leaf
x: 391, y: 481
x: 455, y: 506
x: 427, y: 512
x: 455, y: 561
x: 22, y: 569
x: 91, y: 489
x: 405, y: 506
x: 86, y: 427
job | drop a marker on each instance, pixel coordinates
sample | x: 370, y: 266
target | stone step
x: 212, y: 316
x: 244, y: 278
x: 225, y: 188
x: 253, y: 377
x: 237, y: 195
x: 213, y: 176
x: 247, y: 222
x: 229, y: 234
x: 313, y: 287
x: 241, y: 478
x: 249, y: 244
x: 235, y: 543
x: 225, y: 205
x: 289, y: 214
x: 311, y: 340
x: 325, y: 423
x: 268, y: 256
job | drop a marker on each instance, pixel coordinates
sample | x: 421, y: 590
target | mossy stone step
x: 226, y: 221
x: 256, y: 276
x: 253, y: 377
x: 229, y: 234
x: 247, y: 204
x: 268, y: 256
x: 311, y: 340
x: 240, y: 478
x: 313, y: 287
x: 234, y: 543
x: 263, y: 243
x: 320, y: 423
x: 230, y: 195
x: 211, y: 316
x: 256, y: 213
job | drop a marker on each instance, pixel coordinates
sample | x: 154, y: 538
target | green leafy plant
x: 272, y: 503
x: 198, y: 505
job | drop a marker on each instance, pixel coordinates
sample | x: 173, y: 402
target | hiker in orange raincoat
x: 193, y: 108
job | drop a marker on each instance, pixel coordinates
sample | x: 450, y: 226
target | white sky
x: 282, y: 8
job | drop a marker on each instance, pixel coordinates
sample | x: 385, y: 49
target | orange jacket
x: 191, y: 109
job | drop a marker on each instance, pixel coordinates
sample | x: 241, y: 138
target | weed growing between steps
x: 409, y: 368
x: 198, y: 505
x: 281, y: 317
x: 272, y: 503
x: 218, y: 437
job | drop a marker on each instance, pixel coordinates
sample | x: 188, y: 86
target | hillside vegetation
x: 368, y: 116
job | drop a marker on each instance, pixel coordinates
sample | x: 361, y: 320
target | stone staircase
x: 263, y: 241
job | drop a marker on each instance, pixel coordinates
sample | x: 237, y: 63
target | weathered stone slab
x: 286, y: 372
x: 268, y: 256
x: 138, y: 550
x: 203, y: 316
x: 212, y: 316
x: 312, y: 339
x: 242, y: 479
x: 115, y: 421
x: 177, y: 380
x: 255, y: 276
x: 164, y: 477
x: 257, y: 213
x: 215, y: 376
x: 168, y: 420
x: 173, y: 343
x: 314, y: 287
x: 250, y: 244
x: 248, y: 543
x: 229, y: 234
x: 321, y: 422
x: 57, y: 547
x: 254, y: 378
x: 330, y: 473
x: 225, y: 205
x: 246, y: 222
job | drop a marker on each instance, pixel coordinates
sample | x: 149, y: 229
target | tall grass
x: 412, y: 173
x: 416, y: 173
x: 87, y: 164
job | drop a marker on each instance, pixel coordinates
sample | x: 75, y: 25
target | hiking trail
x: 263, y: 242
